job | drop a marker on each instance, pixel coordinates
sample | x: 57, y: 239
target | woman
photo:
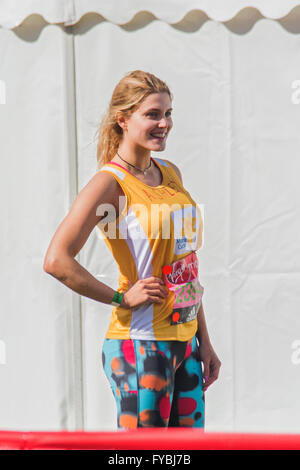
x: 157, y: 336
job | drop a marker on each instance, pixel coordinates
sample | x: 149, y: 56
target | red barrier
x: 147, y: 439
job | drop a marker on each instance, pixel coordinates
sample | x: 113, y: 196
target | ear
x: 121, y: 120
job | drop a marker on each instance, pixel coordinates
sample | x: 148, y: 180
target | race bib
x: 181, y: 277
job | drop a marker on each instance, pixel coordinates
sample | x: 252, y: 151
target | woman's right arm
x: 72, y: 234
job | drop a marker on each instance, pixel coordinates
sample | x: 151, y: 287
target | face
x: 151, y: 123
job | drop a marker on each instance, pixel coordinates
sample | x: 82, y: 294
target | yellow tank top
x: 143, y: 241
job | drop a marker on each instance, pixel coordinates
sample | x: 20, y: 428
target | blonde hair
x: 127, y: 96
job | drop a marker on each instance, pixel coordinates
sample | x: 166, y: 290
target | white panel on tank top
x: 181, y: 243
x: 141, y: 326
x: 117, y: 172
x: 162, y: 162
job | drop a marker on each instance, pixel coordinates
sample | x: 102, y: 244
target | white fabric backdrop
x: 235, y: 139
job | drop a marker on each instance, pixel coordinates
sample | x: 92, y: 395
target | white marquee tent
x: 233, y: 67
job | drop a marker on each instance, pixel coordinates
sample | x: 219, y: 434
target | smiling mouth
x: 158, y: 137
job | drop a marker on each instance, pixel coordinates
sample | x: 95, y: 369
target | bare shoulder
x: 176, y: 170
x: 106, y: 183
x: 86, y: 212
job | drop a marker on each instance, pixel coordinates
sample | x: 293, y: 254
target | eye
x: 154, y: 113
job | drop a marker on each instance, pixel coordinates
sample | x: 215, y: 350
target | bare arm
x: 72, y: 234
x: 210, y: 360
x: 202, y: 333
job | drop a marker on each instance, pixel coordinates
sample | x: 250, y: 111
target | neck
x: 139, y: 158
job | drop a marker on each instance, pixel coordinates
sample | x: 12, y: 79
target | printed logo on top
x: 186, y: 229
x: 181, y: 277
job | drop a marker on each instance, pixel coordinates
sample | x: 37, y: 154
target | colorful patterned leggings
x: 155, y: 383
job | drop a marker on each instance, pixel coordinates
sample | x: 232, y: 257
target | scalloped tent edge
x: 65, y: 16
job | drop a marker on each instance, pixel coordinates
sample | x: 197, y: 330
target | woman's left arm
x: 207, y: 354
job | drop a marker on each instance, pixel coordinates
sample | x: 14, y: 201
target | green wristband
x: 117, y: 298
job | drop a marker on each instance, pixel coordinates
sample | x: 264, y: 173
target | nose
x: 164, y: 122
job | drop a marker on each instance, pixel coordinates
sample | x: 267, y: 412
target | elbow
x: 47, y: 266
x: 56, y: 266
x: 50, y: 265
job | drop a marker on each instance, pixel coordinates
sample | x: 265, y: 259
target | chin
x: 158, y: 147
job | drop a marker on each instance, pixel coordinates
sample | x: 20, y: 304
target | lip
x: 157, y: 137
